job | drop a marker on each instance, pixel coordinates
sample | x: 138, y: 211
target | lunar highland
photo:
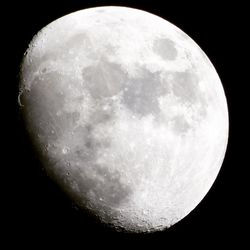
x: 127, y: 113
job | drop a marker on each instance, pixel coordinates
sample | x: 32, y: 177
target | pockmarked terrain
x: 128, y: 114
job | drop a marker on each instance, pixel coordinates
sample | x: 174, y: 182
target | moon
x: 128, y: 115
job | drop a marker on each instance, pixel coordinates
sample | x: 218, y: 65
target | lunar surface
x: 127, y: 113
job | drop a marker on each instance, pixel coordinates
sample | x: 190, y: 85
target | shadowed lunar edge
x: 106, y: 80
x: 76, y: 92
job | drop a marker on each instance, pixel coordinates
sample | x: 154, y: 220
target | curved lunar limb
x: 128, y: 114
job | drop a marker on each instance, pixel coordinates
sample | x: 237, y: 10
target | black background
x: 36, y: 210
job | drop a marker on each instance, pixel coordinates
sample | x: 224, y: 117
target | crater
x: 98, y: 185
x: 99, y: 188
x: 165, y: 48
x: 79, y: 43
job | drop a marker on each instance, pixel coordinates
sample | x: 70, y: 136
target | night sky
x: 37, y: 212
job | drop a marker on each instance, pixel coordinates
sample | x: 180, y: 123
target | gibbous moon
x: 127, y: 113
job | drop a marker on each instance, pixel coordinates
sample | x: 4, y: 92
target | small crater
x: 65, y: 150
x: 112, y: 191
x: 99, y: 186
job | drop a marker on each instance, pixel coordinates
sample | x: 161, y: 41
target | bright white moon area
x: 127, y: 113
